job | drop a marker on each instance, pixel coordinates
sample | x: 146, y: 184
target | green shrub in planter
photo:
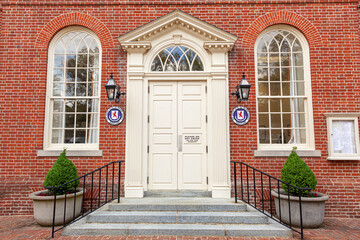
x: 298, y: 174
x: 61, y: 172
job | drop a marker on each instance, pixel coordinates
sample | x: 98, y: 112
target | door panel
x: 192, y: 127
x: 177, y: 135
x: 163, y: 136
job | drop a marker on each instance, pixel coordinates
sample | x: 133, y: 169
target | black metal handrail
x: 254, y: 204
x: 84, y: 212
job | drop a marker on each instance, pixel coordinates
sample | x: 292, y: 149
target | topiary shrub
x: 298, y: 174
x: 61, y: 172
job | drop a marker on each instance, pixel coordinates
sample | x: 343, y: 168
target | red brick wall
x: 332, y: 30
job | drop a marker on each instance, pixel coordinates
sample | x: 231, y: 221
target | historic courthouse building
x: 178, y: 63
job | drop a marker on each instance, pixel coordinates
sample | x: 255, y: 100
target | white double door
x: 177, y: 135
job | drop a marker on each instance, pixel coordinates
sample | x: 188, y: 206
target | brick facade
x: 27, y: 27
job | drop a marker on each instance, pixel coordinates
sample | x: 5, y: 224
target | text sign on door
x: 192, y: 138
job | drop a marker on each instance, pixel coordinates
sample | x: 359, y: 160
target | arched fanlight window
x: 283, y: 88
x: 177, y: 58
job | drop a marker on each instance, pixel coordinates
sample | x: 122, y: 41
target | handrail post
x: 235, y: 182
x: 301, y: 220
x: 119, y: 182
x: 54, y: 211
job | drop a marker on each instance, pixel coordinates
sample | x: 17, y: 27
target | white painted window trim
x: 264, y: 149
x: 330, y: 117
x: 47, y: 146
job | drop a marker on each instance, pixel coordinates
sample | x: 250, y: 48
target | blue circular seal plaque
x: 114, y: 115
x: 240, y: 115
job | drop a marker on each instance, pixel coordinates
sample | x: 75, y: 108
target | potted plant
x: 62, y: 171
x: 297, y: 173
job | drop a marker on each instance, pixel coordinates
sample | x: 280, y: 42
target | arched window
x: 283, y: 89
x: 177, y: 58
x: 73, y: 90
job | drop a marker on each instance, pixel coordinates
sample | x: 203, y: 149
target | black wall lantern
x: 112, y: 90
x: 242, y: 90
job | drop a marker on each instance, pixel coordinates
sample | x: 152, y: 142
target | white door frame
x: 212, y: 44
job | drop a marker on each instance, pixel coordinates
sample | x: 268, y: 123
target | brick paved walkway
x: 24, y: 227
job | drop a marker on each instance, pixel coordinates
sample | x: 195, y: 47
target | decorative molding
x: 136, y: 46
x: 71, y: 19
x: 281, y: 17
x: 177, y: 19
x: 221, y: 45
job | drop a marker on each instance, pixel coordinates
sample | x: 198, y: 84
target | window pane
x: 197, y: 65
x: 262, y: 60
x: 264, y: 136
x: 156, y: 65
x: 58, y: 105
x: 299, y: 74
x: 92, y: 120
x: 70, y: 60
x: 81, y: 75
x: 70, y: 75
x: 274, y: 60
x: 82, y: 60
x: 275, y: 105
x: 287, y: 120
x: 80, y: 136
x: 58, y: 75
x: 70, y: 89
x: 81, y: 120
x: 81, y: 89
x: 263, y: 74
x: 276, y: 136
x: 94, y: 60
x: 56, y: 136
x: 286, y: 89
x: 263, y: 105
x: 275, y: 120
x: 58, y: 120
x: 275, y: 89
x: 70, y: 106
x: 263, y: 89
x: 69, y: 120
x: 286, y: 74
x: 285, y: 59
x: 81, y: 105
x: 92, y: 136
x: 344, y: 136
x: 58, y: 89
x: 184, y: 64
x: 59, y: 60
x: 274, y: 74
x: 298, y: 59
x: 69, y: 136
x: 264, y: 121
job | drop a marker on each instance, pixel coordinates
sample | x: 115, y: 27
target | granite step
x: 115, y: 229
x: 177, y: 207
x: 176, y: 217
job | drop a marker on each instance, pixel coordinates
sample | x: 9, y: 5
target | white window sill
x: 286, y: 153
x: 70, y: 153
x: 355, y: 158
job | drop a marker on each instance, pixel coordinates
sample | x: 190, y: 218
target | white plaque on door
x: 192, y: 138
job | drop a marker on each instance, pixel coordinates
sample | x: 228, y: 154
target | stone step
x: 177, y: 193
x: 177, y: 207
x: 100, y: 229
x: 176, y: 217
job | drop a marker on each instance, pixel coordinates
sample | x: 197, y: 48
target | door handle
x: 179, y: 143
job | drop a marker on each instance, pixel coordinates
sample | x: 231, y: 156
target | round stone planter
x: 44, y: 207
x: 313, y: 209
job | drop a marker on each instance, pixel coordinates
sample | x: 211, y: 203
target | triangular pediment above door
x: 211, y: 35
